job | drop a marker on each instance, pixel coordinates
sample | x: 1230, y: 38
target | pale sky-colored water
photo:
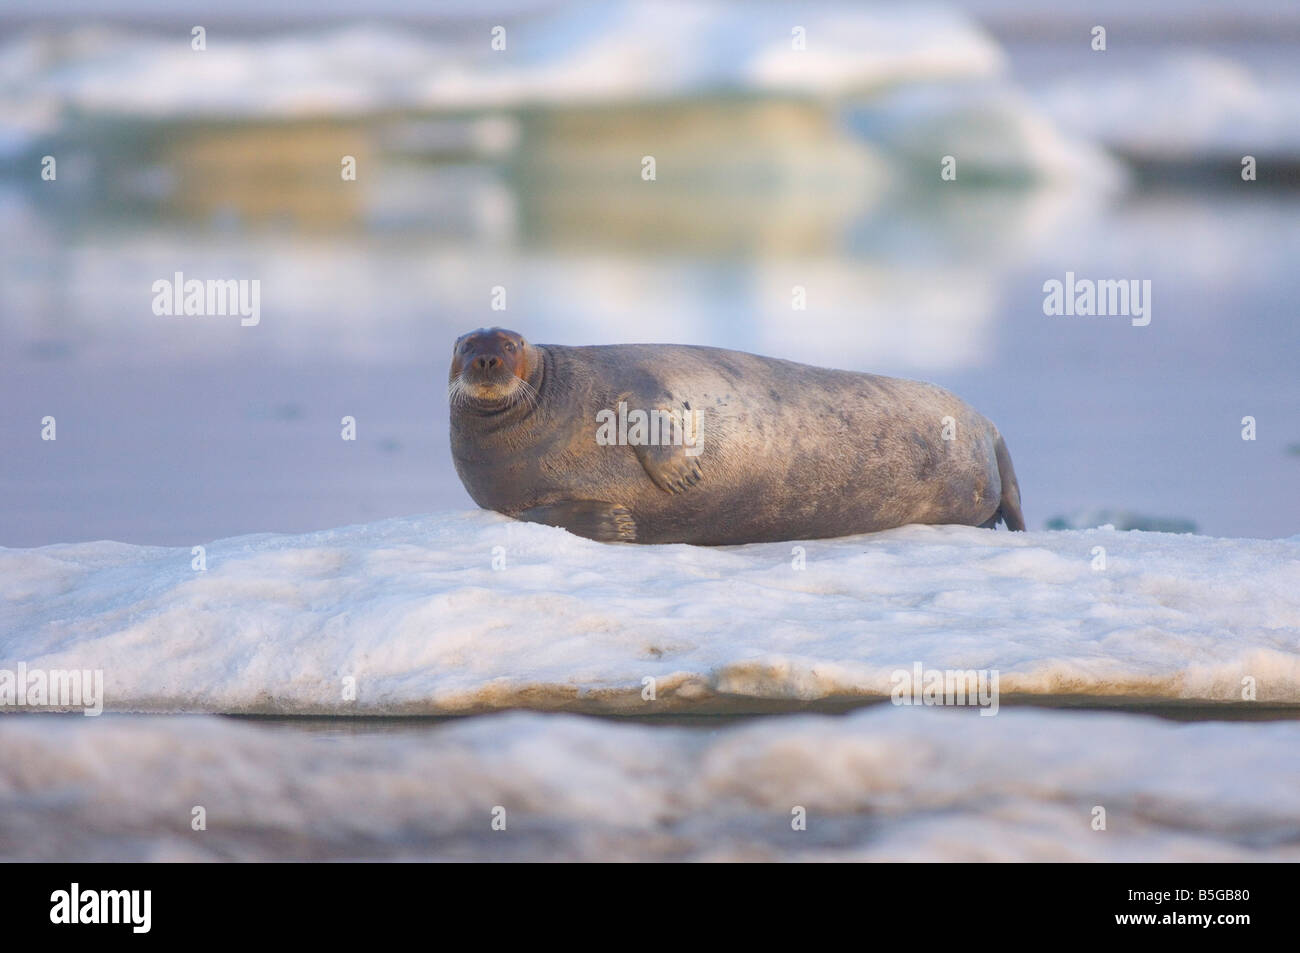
x: 180, y: 430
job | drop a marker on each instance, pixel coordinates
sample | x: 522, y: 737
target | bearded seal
x: 666, y: 443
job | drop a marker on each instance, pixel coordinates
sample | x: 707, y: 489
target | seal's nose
x: 486, y: 363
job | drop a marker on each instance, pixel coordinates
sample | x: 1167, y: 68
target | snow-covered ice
x: 414, y: 613
x: 882, y: 784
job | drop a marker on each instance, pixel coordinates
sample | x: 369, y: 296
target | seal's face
x: 490, y: 368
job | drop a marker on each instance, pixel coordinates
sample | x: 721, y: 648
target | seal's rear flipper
x: 603, y: 522
x: 1009, y: 509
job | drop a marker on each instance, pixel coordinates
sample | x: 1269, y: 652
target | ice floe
x: 881, y: 784
x: 409, y: 616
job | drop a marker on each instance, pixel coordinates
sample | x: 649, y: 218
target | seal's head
x: 492, y: 369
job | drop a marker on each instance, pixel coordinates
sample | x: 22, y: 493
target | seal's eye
x: 510, y: 346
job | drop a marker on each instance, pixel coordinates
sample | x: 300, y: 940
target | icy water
x: 177, y: 430
x: 418, y: 727
x: 182, y: 430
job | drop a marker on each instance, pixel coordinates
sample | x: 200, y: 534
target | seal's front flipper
x: 669, y: 467
x: 603, y: 522
x: 665, y: 434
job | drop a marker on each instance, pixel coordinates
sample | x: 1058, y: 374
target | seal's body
x: 767, y: 449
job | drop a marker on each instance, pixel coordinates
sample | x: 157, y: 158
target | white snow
x: 881, y: 784
x: 414, y: 612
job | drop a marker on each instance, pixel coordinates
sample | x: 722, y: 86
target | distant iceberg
x: 647, y: 59
x: 627, y: 51
x: 1122, y: 520
x: 1183, y: 108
